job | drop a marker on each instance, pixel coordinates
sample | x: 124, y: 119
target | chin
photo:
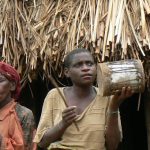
x: 86, y: 84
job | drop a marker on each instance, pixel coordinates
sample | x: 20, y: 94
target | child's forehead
x: 82, y: 56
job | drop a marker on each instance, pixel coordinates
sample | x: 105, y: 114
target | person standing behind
x: 17, y: 126
x: 94, y: 115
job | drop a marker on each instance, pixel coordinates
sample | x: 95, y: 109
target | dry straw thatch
x: 37, y: 34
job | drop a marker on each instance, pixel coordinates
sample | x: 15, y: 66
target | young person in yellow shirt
x: 97, y: 117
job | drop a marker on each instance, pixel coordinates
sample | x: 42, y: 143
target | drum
x: 112, y: 76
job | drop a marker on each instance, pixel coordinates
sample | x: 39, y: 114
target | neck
x: 5, y: 101
x: 82, y: 91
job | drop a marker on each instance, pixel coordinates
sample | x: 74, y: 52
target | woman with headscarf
x: 17, y: 125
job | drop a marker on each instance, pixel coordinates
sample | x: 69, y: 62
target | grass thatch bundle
x: 37, y: 34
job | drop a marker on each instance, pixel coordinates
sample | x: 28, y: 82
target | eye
x: 2, y: 79
x: 89, y: 63
x: 77, y: 65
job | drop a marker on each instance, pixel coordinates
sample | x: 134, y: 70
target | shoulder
x: 99, y: 95
x: 23, y: 109
x: 54, y: 93
x: 55, y: 90
x: 97, y: 91
x: 23, y: 113
x: 52, y: 97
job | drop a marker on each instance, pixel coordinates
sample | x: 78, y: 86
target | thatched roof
x: 36, y: 34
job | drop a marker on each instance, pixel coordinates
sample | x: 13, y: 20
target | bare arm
x: 113, y: 135
x: 52, y: 135
x: 0, y: 141
x: 55, y: 133
x: 28, y: 126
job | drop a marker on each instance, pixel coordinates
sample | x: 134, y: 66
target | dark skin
x: 5, y: 95
x: 6, y: 87
x: 78, y: 96
x: 82, y: 72
x: 112, y: 133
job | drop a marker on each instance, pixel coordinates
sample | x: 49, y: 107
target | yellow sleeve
x: 46, y: 119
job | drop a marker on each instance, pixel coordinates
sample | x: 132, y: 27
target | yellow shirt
x: 91, y: 123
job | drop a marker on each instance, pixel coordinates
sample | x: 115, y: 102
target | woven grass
x: 36, y: 35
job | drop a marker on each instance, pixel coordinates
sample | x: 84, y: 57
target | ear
x: 12, y: 86
x: 66, y: 72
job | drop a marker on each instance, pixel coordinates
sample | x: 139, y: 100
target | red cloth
x: 10, y: 128
x: 12, y: 75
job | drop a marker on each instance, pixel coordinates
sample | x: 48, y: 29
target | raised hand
x: 113, y: 135
x: 69, y: 115
x: 119, y: 97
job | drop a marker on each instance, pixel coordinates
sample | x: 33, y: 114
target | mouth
x: 87, y: 76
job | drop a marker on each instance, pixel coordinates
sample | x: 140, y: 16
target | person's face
x: 82, y: 70
x: 5, y: 88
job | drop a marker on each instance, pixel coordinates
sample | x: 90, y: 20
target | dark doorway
x: 133, y: 124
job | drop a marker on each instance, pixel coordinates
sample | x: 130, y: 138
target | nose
x: 85, y: 67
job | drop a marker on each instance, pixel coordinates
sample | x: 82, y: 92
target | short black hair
x: 68, y: 59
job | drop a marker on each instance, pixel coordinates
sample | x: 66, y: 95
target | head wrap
x: 12, y: 75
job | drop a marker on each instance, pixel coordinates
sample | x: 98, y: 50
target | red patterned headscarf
x: 12, y: 75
